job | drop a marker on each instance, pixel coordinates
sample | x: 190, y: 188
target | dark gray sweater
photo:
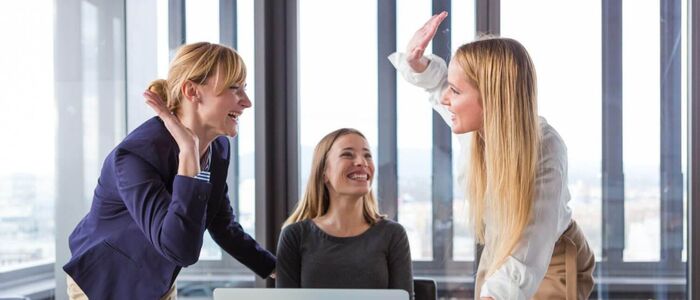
x: 379, y: 258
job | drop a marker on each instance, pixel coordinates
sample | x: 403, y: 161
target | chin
x: 362, y: 192
x: 357, y: 192
x: 231, y: 132
x: 457, y: 130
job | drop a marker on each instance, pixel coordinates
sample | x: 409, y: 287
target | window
x: 568, y: 93
x: 463, y: 31
x: 28, y: 175
x: 202, y: 26
x: 628, y: 198
x: 201, y: 23
x: 246, y: 131
x: 337, y: 88
x: 641, y: 129
x: 414, y: 139
x: 232, y: 25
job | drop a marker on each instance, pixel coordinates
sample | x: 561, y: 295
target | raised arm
x: 428, y: 72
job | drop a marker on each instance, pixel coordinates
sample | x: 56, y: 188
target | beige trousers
x: 570, y: 272
x: 76, y: 293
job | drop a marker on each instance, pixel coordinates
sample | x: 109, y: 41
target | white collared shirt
x: 521, y: 274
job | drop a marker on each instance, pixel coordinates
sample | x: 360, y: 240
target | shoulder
x: 151, y: 142
x: 294, y: 231
x: 552, y: 146
x: 391, y: 228
x: 149, y: 137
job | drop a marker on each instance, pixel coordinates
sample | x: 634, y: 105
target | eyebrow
x: 351, y: 148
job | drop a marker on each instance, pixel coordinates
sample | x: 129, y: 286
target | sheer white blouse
x: 523, y: 271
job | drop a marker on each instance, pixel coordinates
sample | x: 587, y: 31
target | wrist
x: 419, y: 65
x: 188, y: 164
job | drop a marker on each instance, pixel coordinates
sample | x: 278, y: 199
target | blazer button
x: 201, y: 197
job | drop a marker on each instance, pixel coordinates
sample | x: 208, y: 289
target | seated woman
x: 336, y: 237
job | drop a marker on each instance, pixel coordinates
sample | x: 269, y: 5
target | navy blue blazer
x: 146, y: 222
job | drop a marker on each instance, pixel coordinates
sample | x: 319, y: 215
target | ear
x: 190, y: 92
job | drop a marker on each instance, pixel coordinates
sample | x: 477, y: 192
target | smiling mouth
x: 358, y: 176
x: 234, y: 115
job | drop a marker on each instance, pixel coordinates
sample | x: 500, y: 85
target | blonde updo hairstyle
x: 196, y: 63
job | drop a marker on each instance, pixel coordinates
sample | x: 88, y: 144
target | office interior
x: 618, y: 79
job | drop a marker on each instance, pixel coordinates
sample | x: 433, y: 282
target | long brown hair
x: 504, y: 154
x: 316, y: 199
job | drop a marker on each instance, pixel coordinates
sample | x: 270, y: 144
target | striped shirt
x: 204, y: 166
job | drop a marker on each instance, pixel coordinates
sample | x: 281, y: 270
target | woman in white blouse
x: 517, y: 170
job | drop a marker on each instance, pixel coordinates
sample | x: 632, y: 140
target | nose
x: 361, y: 161
x: 244, y: 100
x: 444, y: 99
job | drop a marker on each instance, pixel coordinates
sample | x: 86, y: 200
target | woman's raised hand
x: 186, y: 140
x: 420, y: 40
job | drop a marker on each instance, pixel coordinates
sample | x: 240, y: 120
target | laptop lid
x: 307, y: 294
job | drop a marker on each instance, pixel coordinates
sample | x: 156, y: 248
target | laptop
x: 307, y: 294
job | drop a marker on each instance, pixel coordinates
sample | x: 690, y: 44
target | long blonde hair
x: 316, y: 199
x: 196, y: 62
x: 504, y: 154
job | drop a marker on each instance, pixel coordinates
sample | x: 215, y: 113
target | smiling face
x: 349, y: 167
x: 463, y: 100
x: 220, y: 111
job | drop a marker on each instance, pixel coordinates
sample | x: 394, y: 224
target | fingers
x: 430, y: 28
x: 154, y: 101
x: 430, y: 21
x: 435, y: 21
x: 417, y: 45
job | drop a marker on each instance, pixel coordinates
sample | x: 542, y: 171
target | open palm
x: 420, y: 40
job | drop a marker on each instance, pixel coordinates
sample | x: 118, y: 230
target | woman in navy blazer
x: 162, y: 186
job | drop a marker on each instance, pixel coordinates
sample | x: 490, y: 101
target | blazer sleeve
x: 172, y: 223
x: 229, y: 234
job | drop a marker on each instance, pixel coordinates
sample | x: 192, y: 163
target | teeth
x: 358, y: 176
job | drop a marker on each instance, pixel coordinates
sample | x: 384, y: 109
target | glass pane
x: 202, y: 21
x: 202, y: 25
x: 246, y: 129
x: 337, y: 84
x: 463, y: 30
x: 27, y: 175
x: 162, y: 38
x: 568, y: 93
x: 684, y: 123
x: 641, y: 127
x: 414, y: 139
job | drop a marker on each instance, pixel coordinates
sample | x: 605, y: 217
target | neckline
x: 345, y: 238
